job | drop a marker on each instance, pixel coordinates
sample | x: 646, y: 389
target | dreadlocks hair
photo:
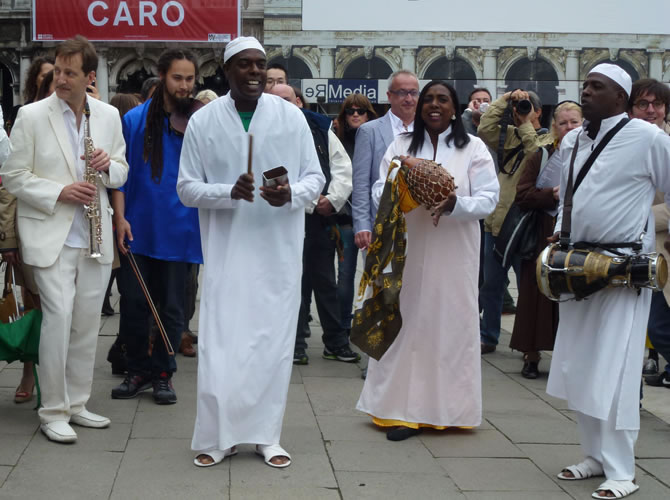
x: 156, y: 116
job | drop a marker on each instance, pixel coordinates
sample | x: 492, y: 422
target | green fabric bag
x: 20, y: 340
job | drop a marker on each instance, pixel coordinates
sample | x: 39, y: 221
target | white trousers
x: 71, y: 294
x: 613, y: 449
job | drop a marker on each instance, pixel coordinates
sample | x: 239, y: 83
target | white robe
x: 252, y: 266
x: 600, y: 340
x: 431, y: 374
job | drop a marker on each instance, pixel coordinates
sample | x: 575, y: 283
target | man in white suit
x: 45, y: 172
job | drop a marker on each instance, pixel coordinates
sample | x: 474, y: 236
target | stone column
x: 409, y: 58
x: 490, y: 71
x: 656, y: 63
x: 102, y: 75
x: 327, y: 63
x: 24, y: 64
x: 572, y: 83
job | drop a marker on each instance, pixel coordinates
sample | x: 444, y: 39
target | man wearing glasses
x: 650, y: 101
x: 372, y: 141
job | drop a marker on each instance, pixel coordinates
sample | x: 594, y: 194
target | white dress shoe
x: 87, y: 419
x: 59, y: 431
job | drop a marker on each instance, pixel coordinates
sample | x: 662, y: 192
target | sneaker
x: 163, y: 391
x: 650, y: 367
x: 131, y: 386
x: 300, y: 357
x: 344, y: 353
x: 662, y: 380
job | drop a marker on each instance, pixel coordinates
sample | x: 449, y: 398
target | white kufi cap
x: 615, y: 73
x: 239, y: 44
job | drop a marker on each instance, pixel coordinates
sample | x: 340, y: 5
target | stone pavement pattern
x: 525, y: 439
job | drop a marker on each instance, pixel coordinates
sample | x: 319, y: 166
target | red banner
x: 137, y: 20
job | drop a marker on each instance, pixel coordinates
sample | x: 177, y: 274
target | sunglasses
x: 352, y: 111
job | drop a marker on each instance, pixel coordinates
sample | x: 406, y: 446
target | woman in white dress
x: 431, y: 374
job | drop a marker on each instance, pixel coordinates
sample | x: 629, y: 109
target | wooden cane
x: 154, y: 311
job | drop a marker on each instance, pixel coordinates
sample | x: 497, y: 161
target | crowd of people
x: 278, y: 201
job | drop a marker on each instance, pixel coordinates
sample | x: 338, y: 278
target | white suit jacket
x: 41, y: 164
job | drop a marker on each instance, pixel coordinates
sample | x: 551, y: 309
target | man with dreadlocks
x: 162, y: 233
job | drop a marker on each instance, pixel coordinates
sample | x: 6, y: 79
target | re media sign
x: 137, y: 20
x: 336, y: 90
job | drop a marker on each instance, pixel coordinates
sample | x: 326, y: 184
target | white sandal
x: 619, y: 489
x: 216, y: 455
x: 270, y: 451
x: 583, y: 470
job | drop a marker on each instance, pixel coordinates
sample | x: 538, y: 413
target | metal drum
x: 574, y: 274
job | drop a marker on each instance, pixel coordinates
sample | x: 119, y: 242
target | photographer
x: 516, y: 115
x: 472, y: 113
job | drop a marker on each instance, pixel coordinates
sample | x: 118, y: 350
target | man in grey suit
x: 372, y: 141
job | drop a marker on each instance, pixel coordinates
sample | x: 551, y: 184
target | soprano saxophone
x: 92, y: 210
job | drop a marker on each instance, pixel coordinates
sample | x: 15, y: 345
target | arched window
x: 538, y: 76
x: 213, y: 78
x: 296, y: 67
x: 131, y: 82
x: 457, y: 72
x: 6, y: 93
x: 624, y: 65
x: 367, y: 69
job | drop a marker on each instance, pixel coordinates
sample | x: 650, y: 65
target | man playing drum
x: 600, y: 341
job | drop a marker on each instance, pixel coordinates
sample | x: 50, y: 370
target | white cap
x: 616, y: 74
x: 239, y: 44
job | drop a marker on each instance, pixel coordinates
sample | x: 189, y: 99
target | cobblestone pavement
x: 525, y: 439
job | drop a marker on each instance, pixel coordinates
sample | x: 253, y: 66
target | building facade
x: 327, y: 63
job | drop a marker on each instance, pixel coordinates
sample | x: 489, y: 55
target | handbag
x: 19, y: 331
x: 9, y: 307
x: 518, y: 233
x: 517, y: 236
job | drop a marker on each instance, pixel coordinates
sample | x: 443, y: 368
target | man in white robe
x: 252, y: 249
x: 600, y: 341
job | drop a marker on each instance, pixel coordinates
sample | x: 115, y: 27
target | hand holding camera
x: 520, y: 104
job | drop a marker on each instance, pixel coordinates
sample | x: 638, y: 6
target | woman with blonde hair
x: 537, y: 317
x: 206, y: 96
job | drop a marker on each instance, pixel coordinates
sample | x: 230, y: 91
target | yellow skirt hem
x: 387, y: 422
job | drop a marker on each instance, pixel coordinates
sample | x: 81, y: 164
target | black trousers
x: 318, y: 275
x: 165, y: 281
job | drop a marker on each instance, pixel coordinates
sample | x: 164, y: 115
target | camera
x: 523, y: 106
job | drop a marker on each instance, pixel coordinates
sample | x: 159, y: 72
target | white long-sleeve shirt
x: 482, y: 196
x: 340, y: 185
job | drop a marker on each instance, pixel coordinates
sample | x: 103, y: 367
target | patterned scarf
x: 377, y: 319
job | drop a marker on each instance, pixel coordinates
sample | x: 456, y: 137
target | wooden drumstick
x: 251, y: 144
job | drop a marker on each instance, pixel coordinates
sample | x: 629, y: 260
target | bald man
x: 319, y: 251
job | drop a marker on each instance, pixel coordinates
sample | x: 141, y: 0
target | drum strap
x: 566, y: 224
